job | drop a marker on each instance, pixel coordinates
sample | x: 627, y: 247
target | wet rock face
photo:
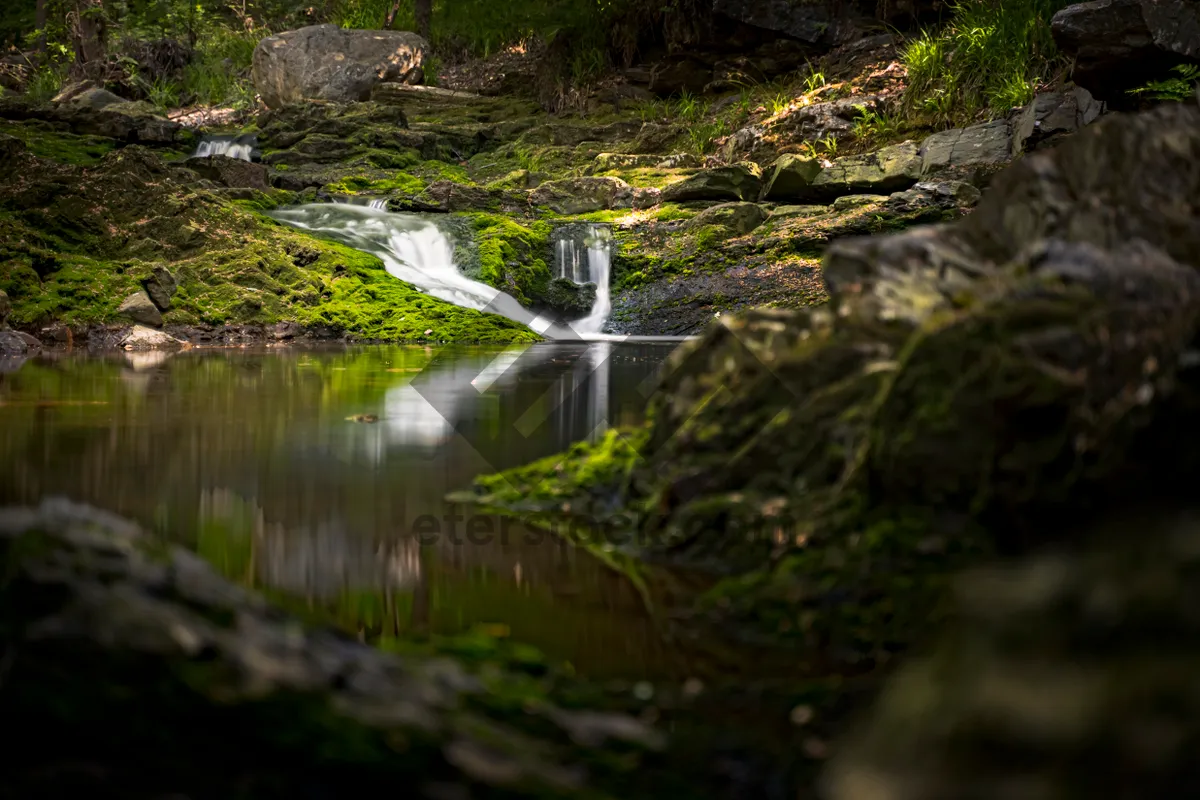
x: 167, y: 641
x: 1061, y: 658
x: 233, y: 173
x: 1121, y: 44
x: 140, y: 308
x: 325, y: 62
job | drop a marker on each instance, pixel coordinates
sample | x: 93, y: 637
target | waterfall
x: 378, y: 204
x: 599, y: 266
x: 415, y: 251
x: 230, y: 146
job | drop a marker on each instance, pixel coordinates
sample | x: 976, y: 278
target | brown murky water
x: 321, y: 473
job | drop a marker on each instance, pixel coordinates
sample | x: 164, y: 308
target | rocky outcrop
x: 738, y: 218
x: 890, y: 169
x: 233, y: 173
x: 978, y: 150
x: 583, y: 195
x: 1052, y: 658
x: 790, y: 177
x: 811, y: 22
x: 140, y: 337
x: 1118, y: 45
x: 122, y: 637
x: 963, y: 381
x: 1052, y: 116
x: 741, y: 181
x: 160, y: 286
x: 140, y: 308
x: 325, y: 62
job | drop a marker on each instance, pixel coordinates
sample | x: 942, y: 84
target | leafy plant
x: 872, y: 125
x: 1176, y: 89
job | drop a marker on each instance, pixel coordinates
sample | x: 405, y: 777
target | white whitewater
x: 224, y: 146
x: 415, y: 251
x: 599, y: 266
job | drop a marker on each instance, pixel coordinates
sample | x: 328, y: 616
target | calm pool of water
x: 311, y: 471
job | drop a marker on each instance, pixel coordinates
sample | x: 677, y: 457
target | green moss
x: 512, y: 256
x: 46, y: 141
x: 400, y: 183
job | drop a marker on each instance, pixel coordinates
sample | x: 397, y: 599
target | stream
x: 254, y: 458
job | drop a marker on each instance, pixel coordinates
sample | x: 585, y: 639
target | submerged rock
x: 122, y: 638
x: 140, y: 337
x: 140, y: 308
x: 325, y: 62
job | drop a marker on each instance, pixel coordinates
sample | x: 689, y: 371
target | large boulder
x: 1052, y: 116
x: 583, y: 195
x: 820, y: 22
x: 140, y: 308
x: 891, y: 169
x: 325, y: 62
x: 233, y: 173
x: 738, y: 218
x: 1061, y: 658
x: 139, y: 337
x: 976, y: 151
x: 964, y: 381
x: 791, y: 177
x: 160, y: 286
x: 741, y: 181
x: 1118, y: 45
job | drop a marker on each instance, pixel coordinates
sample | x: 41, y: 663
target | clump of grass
x: 991, y: 57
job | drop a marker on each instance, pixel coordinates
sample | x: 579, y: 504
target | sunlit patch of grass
x: 988, y: 59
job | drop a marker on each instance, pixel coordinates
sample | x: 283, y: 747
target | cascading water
x: 415, y: 251
x: 583, y: 254
x: 599, y: 267
x: 230, y: 146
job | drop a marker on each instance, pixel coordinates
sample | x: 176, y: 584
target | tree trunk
x: 40, y: 22
x: 391, y: 15
x: 423, y: 11
x: 90, y: 30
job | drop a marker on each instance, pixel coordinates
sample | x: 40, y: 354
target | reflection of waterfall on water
x: 414, y: 250
x: 230, y: 146
x: 322, y: 559
x: 583, y: 254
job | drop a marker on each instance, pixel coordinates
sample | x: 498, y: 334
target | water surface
x: 311, y: 472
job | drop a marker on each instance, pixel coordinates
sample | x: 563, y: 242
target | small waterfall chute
x: 598, y: 244
x: 239, y: 147
x: 415, y: 251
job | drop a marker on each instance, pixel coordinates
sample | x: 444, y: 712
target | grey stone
x: 944, y: 194
x: 888, y: 170
x: 739, y: 218
x: 850, y: 201
x: 160, y: 286
x: 742, y: 181
x: 231, y: 172
x: 986, y: 145
x: 1121, y: 44
x: 12, y: 344
x: 325, y: 62
x: 1053, y: 115
x: 140, y: 308
x: 583, y: 195
x: 791, y: 177
x: 140, y: 337
x: 790, y: 212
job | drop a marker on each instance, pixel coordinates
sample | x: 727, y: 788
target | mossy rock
x: 964, y: 382
x: 166, y: 642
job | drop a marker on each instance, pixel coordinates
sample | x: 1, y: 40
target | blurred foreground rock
x: 132, y: 669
